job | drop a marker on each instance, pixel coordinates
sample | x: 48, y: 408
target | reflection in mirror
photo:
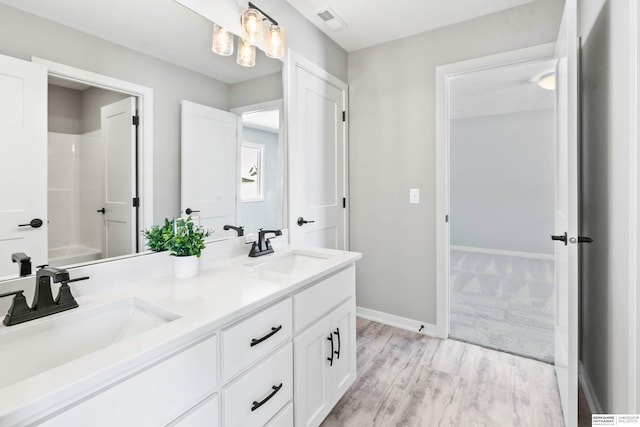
x: 156, y: 53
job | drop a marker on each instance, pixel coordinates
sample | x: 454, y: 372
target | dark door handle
x: 584, y: 239
x: 34, y: 223
x: 256, y: 405
x: 274, y: 330
x: 301, y: 221
x: 337, y: 333
x: 102, y: 211
x: 330, y: 359
x: 562, y: 238
x: 189, y: 211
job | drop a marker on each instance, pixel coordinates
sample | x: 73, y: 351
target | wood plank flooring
x: 408, y: 379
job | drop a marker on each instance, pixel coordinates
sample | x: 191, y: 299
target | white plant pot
x: 185, y: 266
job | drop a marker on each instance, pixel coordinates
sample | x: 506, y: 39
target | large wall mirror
x: 158, y: 45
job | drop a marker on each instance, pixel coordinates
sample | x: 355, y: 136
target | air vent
x: 330, y: 18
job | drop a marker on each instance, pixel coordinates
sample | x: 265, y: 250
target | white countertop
x: 223, y: 291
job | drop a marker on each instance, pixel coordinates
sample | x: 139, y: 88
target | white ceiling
x: 371, y: 22
x: 501, y: 90
x: 268, y: 121
x: 160, y: 28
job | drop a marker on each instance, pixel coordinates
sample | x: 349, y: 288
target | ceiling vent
x: 330, y: 18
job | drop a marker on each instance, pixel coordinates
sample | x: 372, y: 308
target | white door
x: 23, y: 164
x: 317, y: 158
x: 566, y: 214
x: 119, y: 136
x: 208, y: 166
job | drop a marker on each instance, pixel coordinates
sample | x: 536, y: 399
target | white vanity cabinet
x: 325, y: 352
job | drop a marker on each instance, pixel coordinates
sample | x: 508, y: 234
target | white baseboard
x: 589, y: 392
x: 397, y: 321
x: 502, y: 252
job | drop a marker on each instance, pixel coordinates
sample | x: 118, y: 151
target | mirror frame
x: 145, y: 130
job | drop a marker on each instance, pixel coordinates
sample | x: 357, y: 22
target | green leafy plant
x: 158, y: 236
x: 188, y: 238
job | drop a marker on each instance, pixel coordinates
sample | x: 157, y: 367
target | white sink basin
x: 289, y: 262
x: 35, y: 347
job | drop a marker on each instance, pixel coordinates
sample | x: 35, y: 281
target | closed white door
x: 119, y: 135
x: 208, y: 166
x: 566, y: 214
x: 23, y: 164
x: 317, y: 158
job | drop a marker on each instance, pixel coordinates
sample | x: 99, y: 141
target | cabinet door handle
x: 256, y: 405
x: 330, y: 359
x: 337, y: 332
x: 274, y: 330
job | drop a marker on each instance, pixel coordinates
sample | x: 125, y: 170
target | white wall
x: 609, y: 335
x: 392, y: 149
x: 502, y: 170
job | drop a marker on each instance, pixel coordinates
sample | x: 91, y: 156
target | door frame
x: 443, y: 75
x: 144, y: 153
x: 295, y: 60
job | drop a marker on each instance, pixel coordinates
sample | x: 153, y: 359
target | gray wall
x: 65, y: 110
x: 268, y: 213
x: 254, y: 91
x: 392, y: 149
x: 92, y: 100
x: 502, y: 171
x: 608, y: 332
x: 23, y: 35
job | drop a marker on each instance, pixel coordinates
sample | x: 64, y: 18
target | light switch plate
x: 414, y: 196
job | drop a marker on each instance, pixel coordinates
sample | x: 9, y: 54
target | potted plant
x: 158, y: 236
x: 186, y: 244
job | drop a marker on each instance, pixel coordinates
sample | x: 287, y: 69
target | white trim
x: 443, y: 74
x: 397, y: 321
x: 295, y: 60
x: 489, y: 251
x: 589, y: 391
x: 145, y: 129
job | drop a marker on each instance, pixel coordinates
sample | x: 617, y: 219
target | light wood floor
x: 408, y: 379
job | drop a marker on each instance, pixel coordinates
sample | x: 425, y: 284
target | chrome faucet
x: 43, y: 302
x: 263, y: 245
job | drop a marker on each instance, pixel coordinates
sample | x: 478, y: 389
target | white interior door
x: 208, y: 166
x: 566, y: 214
x: 317, y: 158
x: 23, y: 164
x: 119, y: 135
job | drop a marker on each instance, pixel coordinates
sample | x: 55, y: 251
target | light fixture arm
x: 253, y: 6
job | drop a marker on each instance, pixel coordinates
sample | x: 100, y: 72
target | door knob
x: 34, y: 223
x: 189, y: 211
x: 102, y: 211
x: 562, y: 238
x: 301, y: 221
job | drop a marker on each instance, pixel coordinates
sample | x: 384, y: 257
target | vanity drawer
x: 284, y: 418
x: 266, y: 389
x: 310, y: 304
x: 253, y: 338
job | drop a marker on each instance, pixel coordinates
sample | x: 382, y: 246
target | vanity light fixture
x: 274, y: 42
x: 251, y: 21
x: 547, y: 81
x: 222, y: 41
x: 246, y: 54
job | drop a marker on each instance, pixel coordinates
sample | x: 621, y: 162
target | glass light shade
x: 222, y: 41
x: 246, y: 54
x: 274, y: 42
x: 252, y: 25
x: 548, y: 81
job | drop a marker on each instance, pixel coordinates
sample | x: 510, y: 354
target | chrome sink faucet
x: 263, y: 245
x: 43, y: 302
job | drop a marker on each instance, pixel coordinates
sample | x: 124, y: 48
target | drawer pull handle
x: 274, y: 330
x: 330, y: 359
x: 256, y: 405
x: 337, y: 332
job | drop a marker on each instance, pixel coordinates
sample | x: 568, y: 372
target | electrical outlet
x: 414, y: 196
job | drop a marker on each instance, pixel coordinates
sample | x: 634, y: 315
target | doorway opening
x: 500, y: 170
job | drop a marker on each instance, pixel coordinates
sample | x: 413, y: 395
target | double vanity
x: 266, y: 341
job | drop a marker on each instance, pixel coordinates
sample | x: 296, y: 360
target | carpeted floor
x: 503, y: 302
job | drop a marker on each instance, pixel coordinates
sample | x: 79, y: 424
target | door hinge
x: 136, y: 202
x: 136, y: 120
x: 344, y: 202
x: 344, y: 116
x: 446, y: 218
